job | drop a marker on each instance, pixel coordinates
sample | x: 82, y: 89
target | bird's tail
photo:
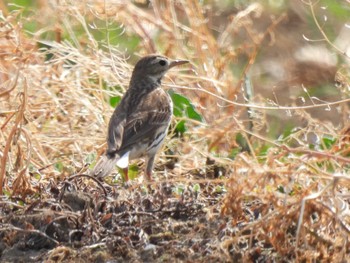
x: 105, y: 165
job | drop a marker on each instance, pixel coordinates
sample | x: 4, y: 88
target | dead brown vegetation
x: 278, y: 200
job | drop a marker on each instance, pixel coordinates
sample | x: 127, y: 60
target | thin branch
x: 311, y: 5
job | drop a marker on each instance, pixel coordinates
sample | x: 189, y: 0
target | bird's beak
x: 174, y: 63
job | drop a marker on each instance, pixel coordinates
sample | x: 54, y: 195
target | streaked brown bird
x: 141, y: 120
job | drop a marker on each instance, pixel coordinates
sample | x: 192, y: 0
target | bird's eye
x: 162, y: 62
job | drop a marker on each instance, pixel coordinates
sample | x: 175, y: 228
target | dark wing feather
x: 116, y: 128
x: 107, y: 162
x: 153, y: 112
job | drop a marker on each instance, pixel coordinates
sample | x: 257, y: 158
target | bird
x: 140, y: 122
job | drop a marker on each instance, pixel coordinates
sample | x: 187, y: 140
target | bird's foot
x: 127, y: 184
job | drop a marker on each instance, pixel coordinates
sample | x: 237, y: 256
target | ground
x: 255, y: 165
x: 83, y: 221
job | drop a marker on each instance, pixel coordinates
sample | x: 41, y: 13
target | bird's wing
x: 107, y: 162
x: 153, y: 112
x: 116, y: 129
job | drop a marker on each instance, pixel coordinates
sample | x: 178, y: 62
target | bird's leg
x: 125, y: 172
x: 149, y: 176
x: 126, y: 182
x: 149, y: 168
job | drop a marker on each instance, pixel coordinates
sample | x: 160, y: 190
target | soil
x: 83, y: 220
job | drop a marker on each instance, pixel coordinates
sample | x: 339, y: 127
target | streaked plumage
x: 140, y: 122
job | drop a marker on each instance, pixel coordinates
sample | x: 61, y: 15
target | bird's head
x: 154, y: 67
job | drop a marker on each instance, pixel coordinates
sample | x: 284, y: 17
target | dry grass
x: 288, y: 203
